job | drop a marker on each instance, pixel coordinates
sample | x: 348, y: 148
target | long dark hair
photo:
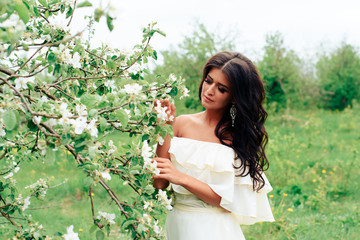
x: 248, y: 137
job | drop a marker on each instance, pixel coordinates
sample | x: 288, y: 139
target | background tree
x: 279, y: 69
x: 339, y: 77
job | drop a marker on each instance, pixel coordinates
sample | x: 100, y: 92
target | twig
x: 72, y: 14
x: 92, y: 211
x: 6, y: 71
x: 8, y: 218
x: 20, y: 95
x: 35, y: 67
x: 28, y: 60
x: 44, y: 17
x: 95, y: 55
x: 3, y: 155
x: 60, y: 90
x: 75, y: 78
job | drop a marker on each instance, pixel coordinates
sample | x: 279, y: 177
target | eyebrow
x: 218, y: 82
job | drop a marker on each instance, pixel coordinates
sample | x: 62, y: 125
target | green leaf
x: 98, y: 14
x: 154, y: 54
x: 23, y: 11
x: 10, y: 120
x: 65, y: 139
x: 88, y: 100
x: 109, y: 22
x: 149, y: 189
x: 103, y: 124
x: 44, y: 3
x: 51, y: 58
x: 122, y: 116
x: 173, y: 92
x: 127, y: 222
x: 36, y: 12
x: 93, y: 228
x: 69, y: 12
x: 145, y: 137
x: 160, y: 32
x: 10, y: 49
x: 87, y: 183
x: 84, y: 4
x: 100, y: 235
x: 62, y: 8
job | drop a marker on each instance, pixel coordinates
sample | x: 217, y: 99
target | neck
x: 212, y: 117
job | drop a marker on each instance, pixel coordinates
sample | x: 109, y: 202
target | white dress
x: 212, y: 163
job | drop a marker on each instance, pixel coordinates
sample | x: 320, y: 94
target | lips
x: 208, y: 99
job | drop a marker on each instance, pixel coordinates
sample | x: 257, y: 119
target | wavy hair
x: 248, y: 137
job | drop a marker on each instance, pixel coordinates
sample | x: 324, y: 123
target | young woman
x: 216, y: 160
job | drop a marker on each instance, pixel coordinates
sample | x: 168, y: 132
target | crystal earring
x: 233, y: 114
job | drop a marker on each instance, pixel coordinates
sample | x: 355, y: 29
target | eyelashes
x: 209, y: 81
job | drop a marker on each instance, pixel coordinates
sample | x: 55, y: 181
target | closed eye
x: 222, y: 90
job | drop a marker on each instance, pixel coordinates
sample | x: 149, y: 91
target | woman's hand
x: 168, y: 171
x: 170, y: 109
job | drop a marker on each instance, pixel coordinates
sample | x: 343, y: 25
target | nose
x: 210, y: 90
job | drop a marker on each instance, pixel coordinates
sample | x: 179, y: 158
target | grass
x: 314, y: 171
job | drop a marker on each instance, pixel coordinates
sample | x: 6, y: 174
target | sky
x: 306, y: 25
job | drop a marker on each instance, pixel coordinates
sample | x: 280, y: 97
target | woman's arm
x: 202, y: 190
x: 163, y: 152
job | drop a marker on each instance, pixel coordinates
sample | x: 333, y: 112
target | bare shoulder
x: 185, y: 122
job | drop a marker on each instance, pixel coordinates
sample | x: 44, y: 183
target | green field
x: 314, y: 170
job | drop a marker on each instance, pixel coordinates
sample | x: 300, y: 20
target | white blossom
x: 147, y: 218
x: 12, y: 21
x: 132, y: 89
x: 92, y: 128
x: 161, y: 111
x: 172, y: 77
x: 26, y: 203
x: 58, y: 22
x: 151, y: 165
x: 185, y: 92
x: 113, y: 148
x: 79, y: 124
x: 37, y: 119
x: 81, y: 110
x: 160, y: 140
x: 163, y: 197
x: 44, y: 99
x: 9, y: 175
x: 105, y: 175
x: 21, y: 82
x: 146, y: 151
x: 107, y: 216
x: 64, y: 111
x: 148, y: 205
x: 156, y: 227
x: 75, y: 60
x: 70, y: 234
x: 2, y: 129
x: 110, y: 84
x: 42, y: 146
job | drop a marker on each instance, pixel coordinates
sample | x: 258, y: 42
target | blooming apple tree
x: 57, y: 92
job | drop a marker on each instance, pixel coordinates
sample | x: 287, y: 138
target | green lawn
x: 314, y: 171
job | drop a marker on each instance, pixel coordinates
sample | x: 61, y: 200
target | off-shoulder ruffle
x: 212, y: 163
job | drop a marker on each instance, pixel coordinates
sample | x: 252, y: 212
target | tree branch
x: 8, y: 218
x: 6, y: 71
x: 72, y: 14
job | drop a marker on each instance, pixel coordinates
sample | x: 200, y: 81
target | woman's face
x: 216, y: 91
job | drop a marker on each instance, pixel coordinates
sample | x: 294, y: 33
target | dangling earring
x: 233, y: 114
